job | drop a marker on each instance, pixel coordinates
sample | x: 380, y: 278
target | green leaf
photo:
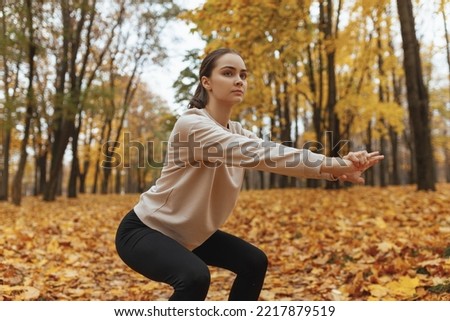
x: 440, y: 288
x: 447, y: 252
x: 422, y: 270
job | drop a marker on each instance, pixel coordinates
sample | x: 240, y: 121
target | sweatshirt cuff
x: 327, y: 176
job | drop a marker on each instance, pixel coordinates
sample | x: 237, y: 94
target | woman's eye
x: 244, y: 76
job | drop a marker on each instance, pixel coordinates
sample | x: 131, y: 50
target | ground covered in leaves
x: 359, y: 243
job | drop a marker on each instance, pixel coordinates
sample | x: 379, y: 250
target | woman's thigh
x: 232, y: 253
x: 155, y: 255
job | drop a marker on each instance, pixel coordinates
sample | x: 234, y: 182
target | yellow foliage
x: 405, y: 286
x: 273, y: 37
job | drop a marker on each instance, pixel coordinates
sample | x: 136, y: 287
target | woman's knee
x: 198, y: 277
x: 254, y: 262
x: 192, y: 284
x: 259, y: 260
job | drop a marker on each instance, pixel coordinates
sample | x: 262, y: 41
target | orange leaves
x: 355, y: 244
x: 405, y: 288
x: 23, y: 293
x: 360, y: 243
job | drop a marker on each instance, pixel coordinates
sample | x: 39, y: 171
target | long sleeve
x: 212, y: 145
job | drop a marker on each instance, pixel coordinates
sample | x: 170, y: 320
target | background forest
x: 77, y: 117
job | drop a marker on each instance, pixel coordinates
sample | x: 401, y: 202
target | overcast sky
x: 178, y: 39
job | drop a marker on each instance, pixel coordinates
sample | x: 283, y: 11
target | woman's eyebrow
x: 231, y: 67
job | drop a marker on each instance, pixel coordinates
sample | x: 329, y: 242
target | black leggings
x: 160, y: 258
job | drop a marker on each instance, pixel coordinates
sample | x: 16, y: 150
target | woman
x: 173, y: 234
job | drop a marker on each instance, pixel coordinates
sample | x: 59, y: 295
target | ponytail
x: 200, y: 98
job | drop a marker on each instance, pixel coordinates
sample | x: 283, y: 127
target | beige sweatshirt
x: 203, y: 173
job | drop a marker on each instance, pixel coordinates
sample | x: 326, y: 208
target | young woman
x: 173, y: 234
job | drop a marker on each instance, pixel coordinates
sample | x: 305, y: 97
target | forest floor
x: 358, y: 243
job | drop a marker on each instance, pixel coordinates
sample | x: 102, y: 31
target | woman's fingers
x: 375, y: 156
x: 361, y: 160
x: 364, y: 160
x: 373, y: 160
x: 354, y: 178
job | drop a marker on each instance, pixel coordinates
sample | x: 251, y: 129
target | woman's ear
x: 205, y: 83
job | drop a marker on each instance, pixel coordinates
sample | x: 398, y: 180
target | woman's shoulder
x: 194, y: 115
x: 191, y: 117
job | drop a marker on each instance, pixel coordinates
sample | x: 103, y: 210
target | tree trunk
x: 118, y: 180
x: 316, y: 105
x: 9, y: 91
x: 417, y: 99
x: 128, y: 97
x: 286, y: 139
x: 63, y: 122
x: 412, y: 176
x: 86, y: 159
x: 383, y: 165
x: 332, y: 134
x: 96, y: 176
x: 30, y: 101
x: 447, y: 42
x: 5, y: 143
x: 83, y: 175
x: 82, y: 187
x: 370, y: 175
x: 75, y: 166
x: 74, y: 173
x: 382, y: 98
x: 272, y: 176
x: 393, y: 136
x: 42, y: 169
x: 394, y: 177
x: 66, y: 111
x: 447, y: 160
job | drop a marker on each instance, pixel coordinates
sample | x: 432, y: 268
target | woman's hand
x: 350, y: 167
x: 361, y: 161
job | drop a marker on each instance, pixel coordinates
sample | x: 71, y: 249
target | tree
x: 447, y: 47
x: 11, y: 54
x: 330, y: 30
x: 417, y: 96
x: 447, y: 39
x: 30, y: 102
x: 79, y: 92
x: 185, y: 84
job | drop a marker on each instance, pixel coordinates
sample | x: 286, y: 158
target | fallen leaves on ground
x: 359, y: 243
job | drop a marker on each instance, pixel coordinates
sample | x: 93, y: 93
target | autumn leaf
x: 378, y: 291
x: 404, y: 287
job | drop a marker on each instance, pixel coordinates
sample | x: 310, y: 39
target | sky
x: 178, y: 39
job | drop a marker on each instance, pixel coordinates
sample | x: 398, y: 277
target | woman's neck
x: 219, y: 113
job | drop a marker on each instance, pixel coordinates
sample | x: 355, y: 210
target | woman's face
x: 228, y: 81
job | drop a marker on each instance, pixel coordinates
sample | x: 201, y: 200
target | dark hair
x: 200, y: 98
